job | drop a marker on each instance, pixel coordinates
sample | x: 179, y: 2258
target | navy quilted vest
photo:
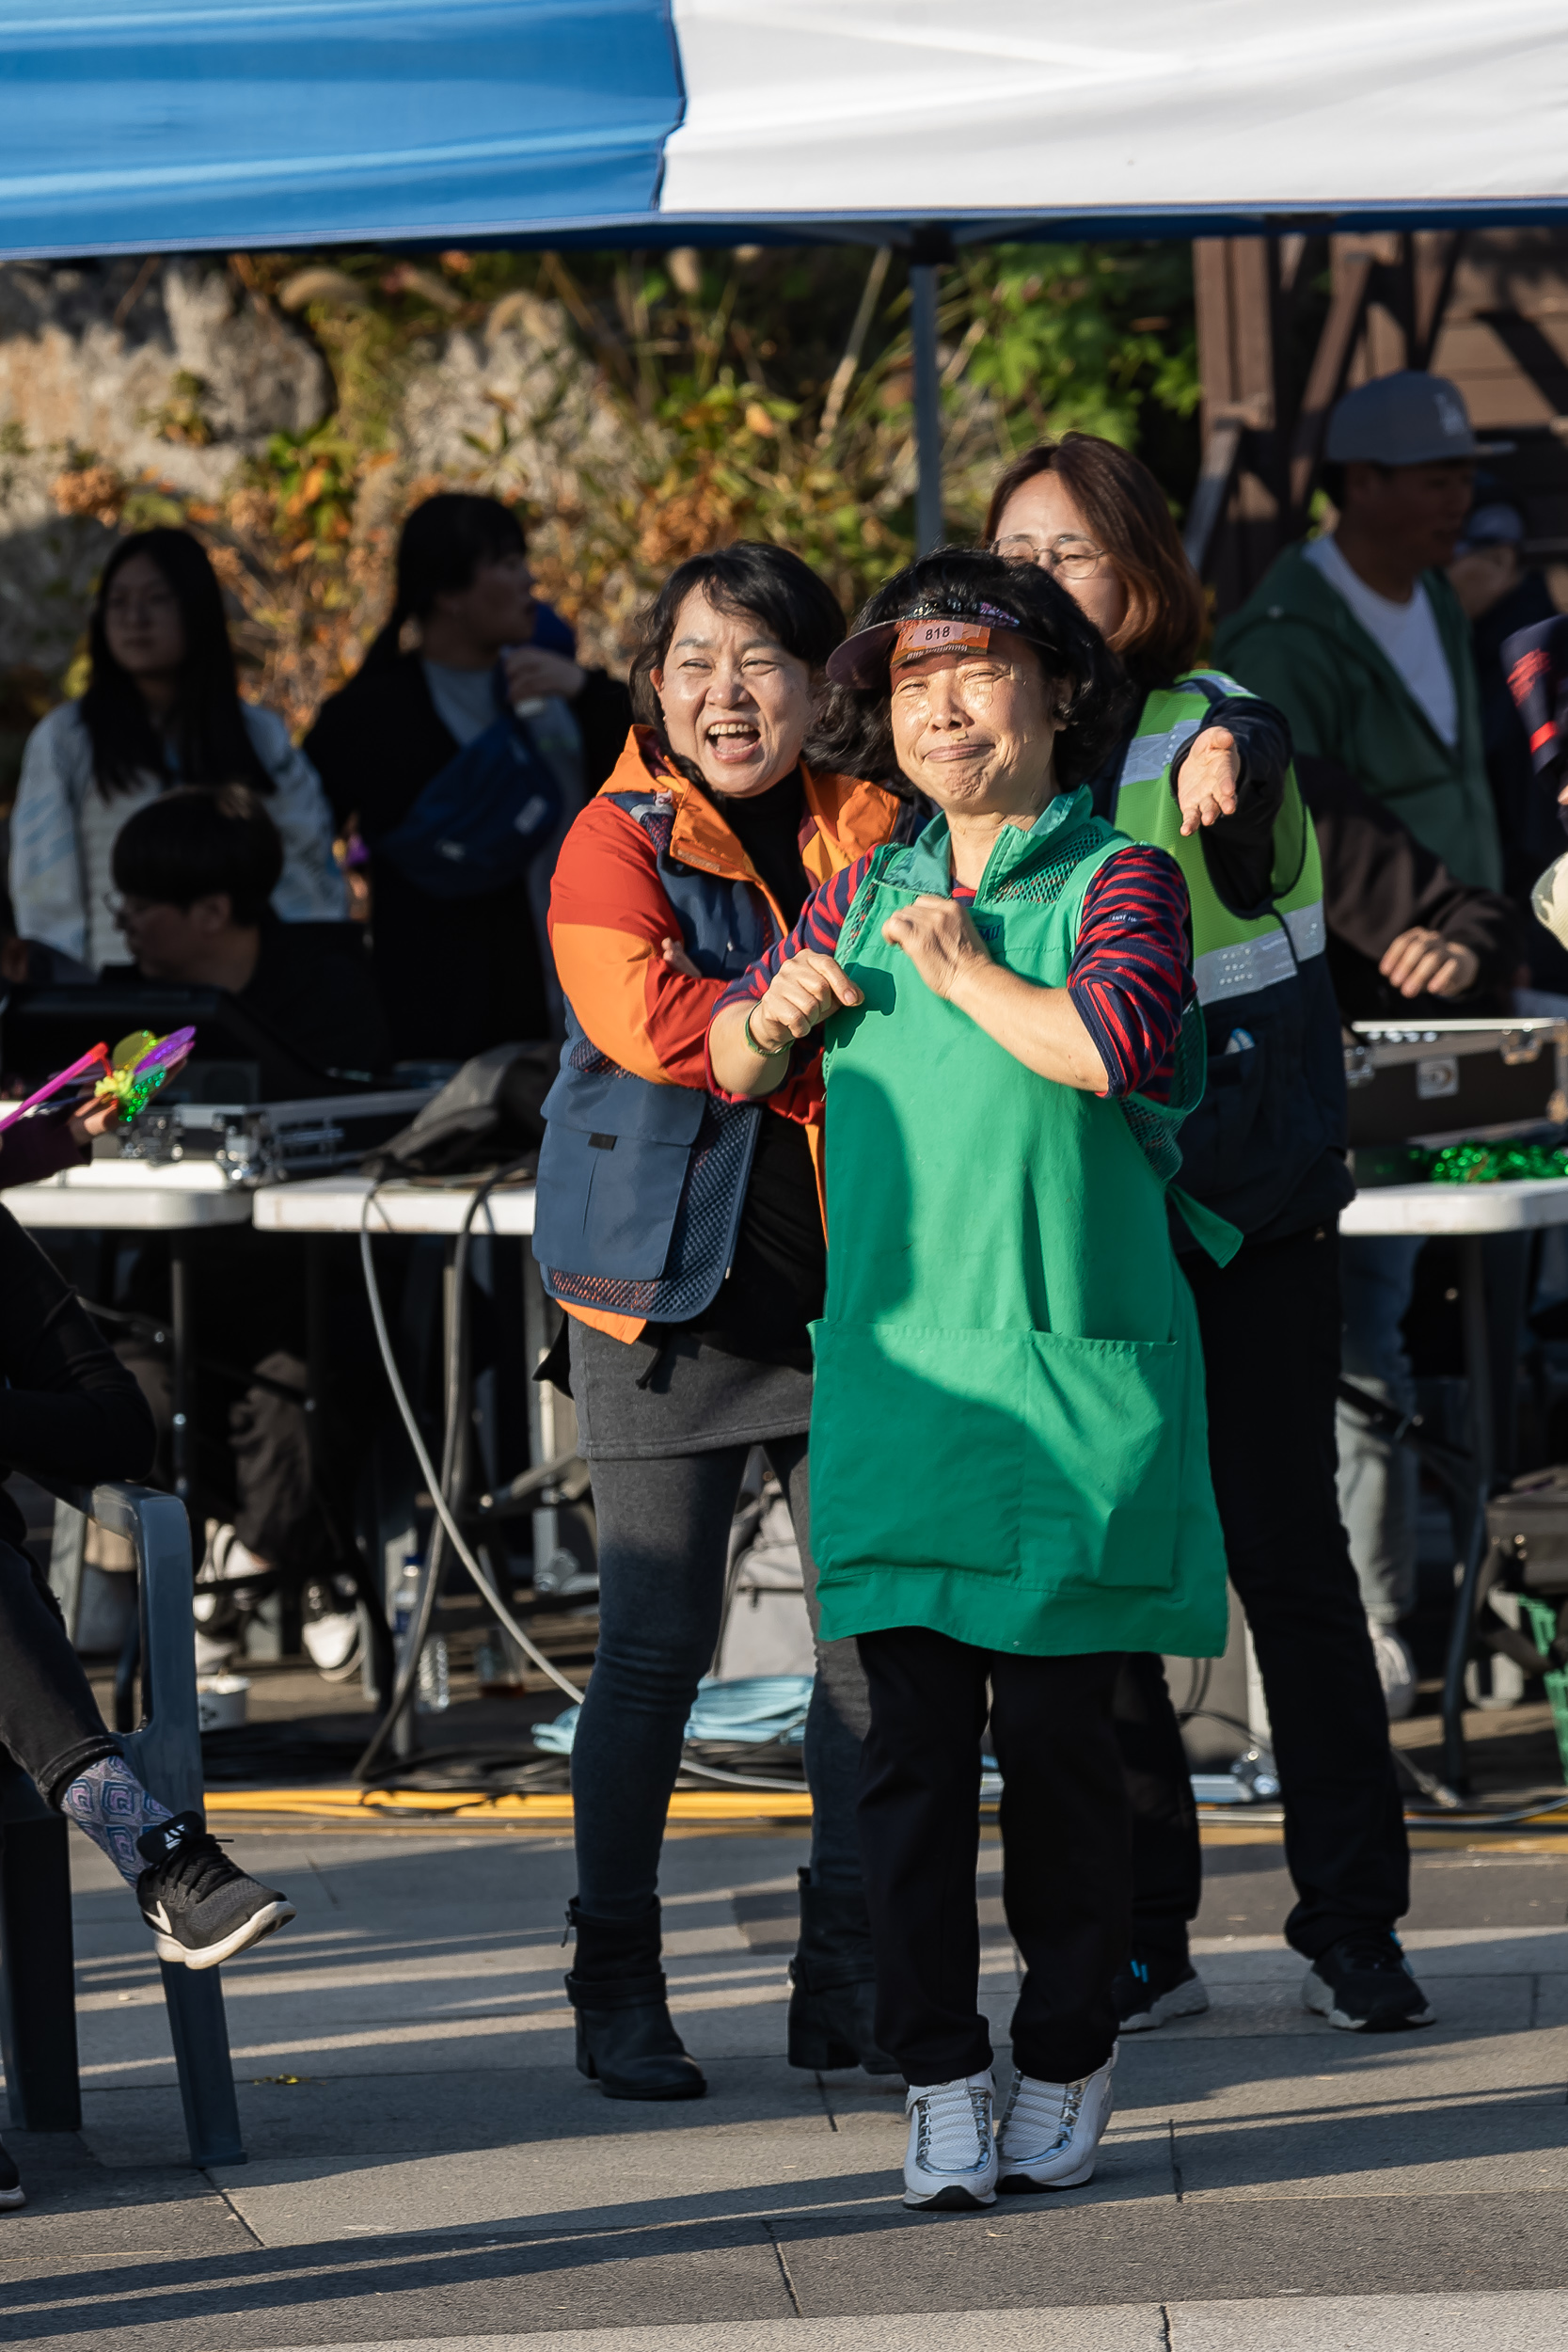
x: 640, y: 1185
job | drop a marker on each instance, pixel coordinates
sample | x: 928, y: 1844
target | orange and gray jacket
x: 644, y: 1170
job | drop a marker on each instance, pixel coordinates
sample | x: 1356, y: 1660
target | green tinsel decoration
x: 1488, y: 1162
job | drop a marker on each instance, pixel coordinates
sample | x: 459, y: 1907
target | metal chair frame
x: 38, y: 2022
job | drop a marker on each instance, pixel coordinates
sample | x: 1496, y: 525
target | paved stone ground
x: 428, y: 2169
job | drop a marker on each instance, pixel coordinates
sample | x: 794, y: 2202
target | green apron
x: 1008, y: 1440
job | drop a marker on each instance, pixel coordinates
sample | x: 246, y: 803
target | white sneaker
x: 950, y: 2164
x: 1049, y: 2132
x: 1396, y: 1669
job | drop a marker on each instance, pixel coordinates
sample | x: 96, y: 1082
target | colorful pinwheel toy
x: 132, y: 1074
x: 139, y: 1065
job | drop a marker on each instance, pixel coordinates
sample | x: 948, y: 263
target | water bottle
x: 406, y: 1598
x: 435, y: 1685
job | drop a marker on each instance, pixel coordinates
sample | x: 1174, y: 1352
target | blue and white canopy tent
x: 158, y: 125
x: 168, y: 125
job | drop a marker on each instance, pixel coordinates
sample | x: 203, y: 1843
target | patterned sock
x: 109, y: 1803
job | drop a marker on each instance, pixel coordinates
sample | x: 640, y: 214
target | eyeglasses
x: 1072, y: 559
x: 133, y: 604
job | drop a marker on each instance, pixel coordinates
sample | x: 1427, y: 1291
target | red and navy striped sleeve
x: 1130, y: 979
x: 821, y: 921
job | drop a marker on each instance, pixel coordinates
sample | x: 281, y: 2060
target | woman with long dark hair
x: 684, y: 1236
x: 463, y: 757
x: 163, y: 707
x: 1203, y: 769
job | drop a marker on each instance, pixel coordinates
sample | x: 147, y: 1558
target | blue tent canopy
x: 257, y: 123
x: 158, y: 125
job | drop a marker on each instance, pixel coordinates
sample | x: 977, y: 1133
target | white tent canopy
x: 1134, y: 113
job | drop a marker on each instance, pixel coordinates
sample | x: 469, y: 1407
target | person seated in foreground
x: 193, y: 874
x: 67, y: 1410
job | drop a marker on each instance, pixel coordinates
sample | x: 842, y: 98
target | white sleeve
x: 312, y: 889
x: 45, y: 855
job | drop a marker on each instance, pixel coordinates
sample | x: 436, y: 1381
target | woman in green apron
x: 1009, y: 1478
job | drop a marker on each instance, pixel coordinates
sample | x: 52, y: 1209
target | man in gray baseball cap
x: 1358, y: 636
x: 1399, y: 420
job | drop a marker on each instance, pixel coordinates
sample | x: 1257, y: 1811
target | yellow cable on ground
x: 359, y: 1805
x: 721, y: 1808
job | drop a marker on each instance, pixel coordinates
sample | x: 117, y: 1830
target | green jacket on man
x: 1297, y: 643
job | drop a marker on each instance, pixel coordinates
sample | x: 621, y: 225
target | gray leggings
x: 664, y: 1529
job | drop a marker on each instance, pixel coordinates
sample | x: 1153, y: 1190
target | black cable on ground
x: 442, y: 1501
x: 424, y: 1609
x: 501, y: 1771
x: 1480, y: 1820
x: 421, y: 1454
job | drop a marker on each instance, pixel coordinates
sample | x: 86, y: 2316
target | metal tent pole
x: 927, y: 399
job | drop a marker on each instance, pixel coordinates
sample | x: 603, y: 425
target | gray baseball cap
x: 1410, y: 419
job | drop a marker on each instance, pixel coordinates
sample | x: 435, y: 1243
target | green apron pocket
x: 1102, y: 1472
x: 917, y: 1459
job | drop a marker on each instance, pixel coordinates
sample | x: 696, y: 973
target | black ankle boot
x: 832, y: 2006
x: 626, y: 2041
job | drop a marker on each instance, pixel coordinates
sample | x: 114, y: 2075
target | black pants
x: 667, y: 1425
x: 1066, y: 1868
x: 663, y: 1531
x: 49, y: 1720
x: 1271, y: 1345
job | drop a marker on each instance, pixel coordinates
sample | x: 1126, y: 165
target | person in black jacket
x: 458, y: 975
x: 194, y: 875
x: 1405, y: 940
x: 69, y: 1410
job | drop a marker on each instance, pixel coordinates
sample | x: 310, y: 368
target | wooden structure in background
x: 1489, y: 309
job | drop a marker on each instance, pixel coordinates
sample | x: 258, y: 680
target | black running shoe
x: 200, y: 1908
x: 1154, y: 1987
x: 11, y: 2191
x: 1363, y: 1984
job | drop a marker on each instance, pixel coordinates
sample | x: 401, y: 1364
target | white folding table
x: 1466, y: 1213
x: 335, y: 1204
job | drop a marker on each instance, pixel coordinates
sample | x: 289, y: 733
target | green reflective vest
x: 1271, y: 1123
x: 1233, y: 955
x: 1008, y: 1439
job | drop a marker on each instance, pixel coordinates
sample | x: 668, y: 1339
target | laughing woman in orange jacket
x: 683, y: 1235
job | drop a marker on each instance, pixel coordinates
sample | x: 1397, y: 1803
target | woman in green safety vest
x: 1203, y: 768
x: 1010, y: 1479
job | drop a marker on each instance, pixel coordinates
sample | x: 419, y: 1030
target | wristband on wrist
x: 764, y: 1052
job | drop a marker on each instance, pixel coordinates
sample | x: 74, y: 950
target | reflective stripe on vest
x: 1242, y: 966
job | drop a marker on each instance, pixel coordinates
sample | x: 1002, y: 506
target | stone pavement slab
x: 427, y: 2166
x: 1119, y: 2327
x: 1375, y: 2322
